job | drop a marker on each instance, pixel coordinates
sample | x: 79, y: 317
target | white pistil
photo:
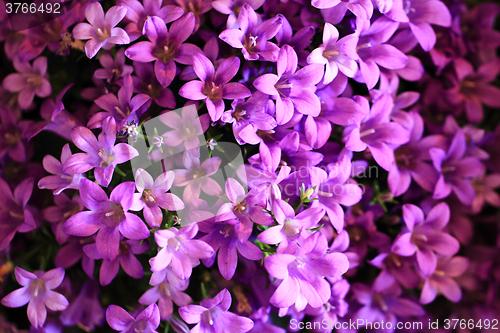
x: 367, y: 132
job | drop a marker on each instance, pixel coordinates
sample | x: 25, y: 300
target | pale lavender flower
x: 152, y: 196
x: 179, y: 250
x: 188, y: 127
x: 212, y: 316
x: 37, y: 290
x: 102, y: 31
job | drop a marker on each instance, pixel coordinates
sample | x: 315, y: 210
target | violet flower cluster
x: 251, y: 166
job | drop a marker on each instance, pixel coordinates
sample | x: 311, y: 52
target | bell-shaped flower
x: 212, y: 316
x: 165, y: 47
x: 303, y: 270
x: 101, y: 154
x: 424, y: 237
x: 179, y: 250
x: 214, y: 85
x: 253, y: 35
x: 37, y: 290
x: 102, y: 31
x: 120, y: 320
x: 108, y: 217
x: 293, y: 89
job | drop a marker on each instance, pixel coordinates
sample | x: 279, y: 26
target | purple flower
x: 101, y: 31
x: 113, y: 69
x: 85, y: 310
x: 456, y: 170
x: 179, y: 250
x: 424, y: 236
x: 248, y: 117
x: 212, y: 316
x: 101, y: 154
x: 165, y: 46
x: 138, y: 12
x: 332, y: 54
x: 57, y: 215
x: 377, y: 132
x: 420, y: 14
x: 120, y: 320
x: 394, y: 268
x: 293, y: 89
x: 412, y: 159
x: 222, y: 237
x: 125, y: 258
x: 14, y: 135
x: 383, y: 305
x: 146, y: 82
x: 60, y: 180
x: 290, y: 226
x: 15, y: 213
x: 442, y: 280
x: 214, y: 85
x: 253, y: 35
x: 125, y: 109
x: 473, y: 89
x: 30, y: 81
x: 372, y: 50
x: 37, y: 290
x: 108, y: 217
x: 303, y: 270
x: 363, y: 9
x: 166, y: 291
x: 242, y: 210
x: 72, y: 251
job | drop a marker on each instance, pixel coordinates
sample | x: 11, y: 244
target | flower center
x: 330, y: 54
x: 114, y: 216
x: 241, y: 207
x: 123, y: 249
x: 197, y: 173
x: 212, y: 91
x: 166, y: 53
x: 291, y: 227
x: 106, y: 158
x: 34, y: 79
x: 103, y: 34
x: 284, y: 87
x: 163, y: 290
x: 147, y: 196
x: 38, y: 286
x: 12, y: 139
x: 250, y: 42
x: 239, y: 113
x: 175, y: 243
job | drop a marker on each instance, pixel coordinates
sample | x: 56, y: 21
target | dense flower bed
x: 249, y: 166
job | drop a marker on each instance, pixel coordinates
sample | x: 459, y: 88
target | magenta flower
x: 125, y: 258
x: 179, y: 250
x: 293, y: 89
x: 165, y: 46
x: 14, y: 135
x: 60, y: 180
x: 363, y: 9
x: 442, y: 280
x: 253, y: 35
x: 15, y: 213
x: 332, y: 54
x: 108, y: 217
x: 101, y: 154
x: 303, y: 270
x: 424, y: 237
x: 420, y: 14
x: 120, y: 320
x: 37, y: 290
x: 214, y: 85
x: 58, y: 214
x: 290, y: 226
x: 169, y: 289
x: 152, y: 196
x: 125, y: 109
x: 102, y: 31
x: 212, y: 316
x: 377, y: 132
x: 30, y: 81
